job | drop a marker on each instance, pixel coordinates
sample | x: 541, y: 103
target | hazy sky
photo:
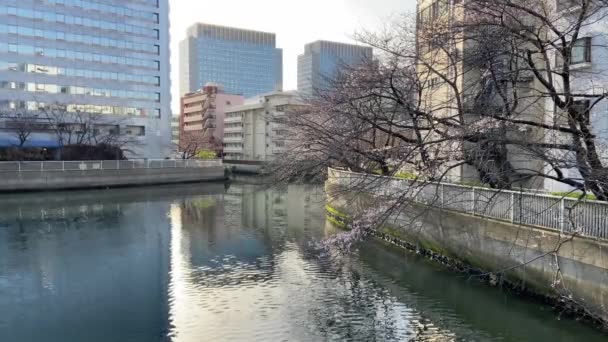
x: 295, y: 22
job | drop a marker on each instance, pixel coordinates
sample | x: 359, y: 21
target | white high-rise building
x: 109, y: 58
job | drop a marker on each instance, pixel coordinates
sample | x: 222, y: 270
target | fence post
x: 562, y: 214
x: 19, y: 166
x: 512, y: 207
x: 473, y: 205
x: 63, y: 166
x: 118, y: 165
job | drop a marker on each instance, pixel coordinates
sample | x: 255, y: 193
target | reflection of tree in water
x: 350, y: 309
x: 238, y: 238
x: 357, y: 308
x: 201, y: 214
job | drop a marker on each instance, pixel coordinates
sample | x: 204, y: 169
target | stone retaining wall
x: 521, y: 255
x: 57, y: 180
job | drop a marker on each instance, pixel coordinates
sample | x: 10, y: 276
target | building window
x: 581, y: 51
x: 139, y: 131
x: 581, y: 106
x: 563, y: 5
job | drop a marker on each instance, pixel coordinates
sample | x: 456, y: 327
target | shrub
x: 205, y: 154
x: 575, y: 194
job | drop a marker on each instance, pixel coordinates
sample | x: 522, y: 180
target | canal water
x: 215, y: 262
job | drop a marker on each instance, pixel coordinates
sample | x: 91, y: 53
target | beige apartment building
x: 202, y: 118
x: 253, y: 131
x: 444, y: 55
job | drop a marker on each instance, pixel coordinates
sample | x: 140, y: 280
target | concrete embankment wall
x: 57, y: 180
x: 252, y: 168
x: 540, y: 261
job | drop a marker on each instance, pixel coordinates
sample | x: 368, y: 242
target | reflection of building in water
x: 298, y: 208
x: 305, y: 207
x: 203, y: 219
x: 264, y: 209
x: 239, y: 276
x: 49, y: 254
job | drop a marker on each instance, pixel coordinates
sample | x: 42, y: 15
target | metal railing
x: 43, y: 166
x: 567, y: 215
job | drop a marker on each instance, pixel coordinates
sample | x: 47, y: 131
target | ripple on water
x: 235, y: 266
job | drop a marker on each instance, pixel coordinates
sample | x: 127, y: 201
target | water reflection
x: 206, y: 263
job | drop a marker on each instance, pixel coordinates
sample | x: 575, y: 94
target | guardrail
x: 563, y: 214
x: 42, y: 166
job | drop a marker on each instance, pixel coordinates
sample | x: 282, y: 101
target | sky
x: 295, y: 22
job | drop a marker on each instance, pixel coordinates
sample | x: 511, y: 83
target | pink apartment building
x: 202, y: 117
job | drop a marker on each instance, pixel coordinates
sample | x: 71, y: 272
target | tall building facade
x: 88, y: 57
x: 322, y: 59
x: 454, y: 60
x: 244, y: 62
x: 175, y: 130
x: 253, y: 130
x: 202, y: 118
x: 588, y: 69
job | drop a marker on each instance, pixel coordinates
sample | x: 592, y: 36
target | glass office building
x: 321, y: 60
x: 243, y: 62
x: 109, y: 58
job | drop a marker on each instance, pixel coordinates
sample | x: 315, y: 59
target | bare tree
x: 77, y: 128
x: 496, y: 92
x: 188, y: 146
x: 466, y: 95
x: 21, y: 124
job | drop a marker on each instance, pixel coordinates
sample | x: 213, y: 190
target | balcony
x: 233, y: 139
x: 198, y: 127
x: 193, y: 118
x: 233, y: 149
x: 193, y: 109
x: 233, y: 129
x: 233, y: 120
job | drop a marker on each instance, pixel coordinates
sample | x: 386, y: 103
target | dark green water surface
x: 213, y: 262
